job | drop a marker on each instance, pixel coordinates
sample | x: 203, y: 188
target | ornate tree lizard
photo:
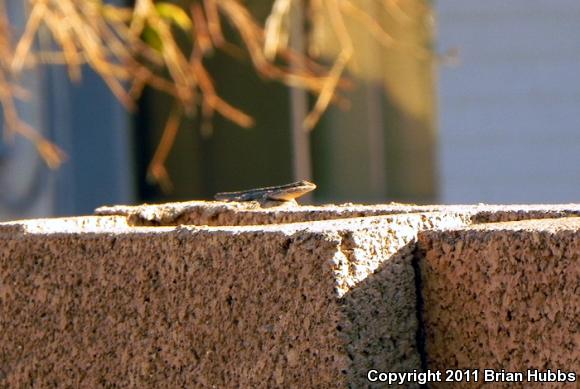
x: 271, y: 195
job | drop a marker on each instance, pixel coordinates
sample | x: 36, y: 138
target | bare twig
x: 337, y: 22
x: 112, y: 41
x: 157, y: 172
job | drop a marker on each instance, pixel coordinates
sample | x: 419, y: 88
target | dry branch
x: 116, y: 43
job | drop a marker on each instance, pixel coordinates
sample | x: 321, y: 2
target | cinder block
x: 504, y: 297
x: 161, y: 295
x: 217, y: 213
x: 250, y: 213
x: 94, y: 302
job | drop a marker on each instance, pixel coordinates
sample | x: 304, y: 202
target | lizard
x: 270, y: 195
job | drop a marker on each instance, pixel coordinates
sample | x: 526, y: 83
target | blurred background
x: 465, y: 102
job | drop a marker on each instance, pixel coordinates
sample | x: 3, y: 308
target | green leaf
x: 174, y: 14
x: 152, y: 38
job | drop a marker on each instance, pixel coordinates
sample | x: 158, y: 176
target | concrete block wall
x: 504, y: 296
x: 250, y: 213
x: 165, y: 296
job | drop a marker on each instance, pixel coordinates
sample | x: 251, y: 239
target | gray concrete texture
x: 164, y: 296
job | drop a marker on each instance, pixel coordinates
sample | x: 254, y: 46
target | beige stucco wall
x: 162, y: 296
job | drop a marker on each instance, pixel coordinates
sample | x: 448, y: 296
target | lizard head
x: 294, y: 190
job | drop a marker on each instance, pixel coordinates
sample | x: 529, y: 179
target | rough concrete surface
x: 503, y: 296
x: 231, y: 295
x: 247, y: 213
x: 296, y: 305
x: 250, y: 213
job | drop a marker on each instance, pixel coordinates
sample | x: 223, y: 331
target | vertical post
x: 301, y: 161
